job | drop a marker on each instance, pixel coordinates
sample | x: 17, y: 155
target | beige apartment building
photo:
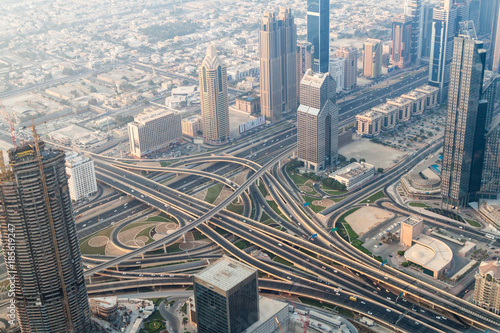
x: 213, y: 98
x: 432, y: 95
x: 369, y: 123
x: 418, y: 100
x: 389, y: 113
x: 153, y: 130
x: 249, y: 104
x: 350, y: 56
x: 404, y: 108
x: 487, y: 287
x: 278, y: 64
x: 372, y: 58
x: 317, y: 121
x: 191, y: 126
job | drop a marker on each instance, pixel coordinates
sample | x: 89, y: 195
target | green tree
x: 341, y: 158
x: 380, y: 170
x: 352, y: 160
x: 404, y: 264
x: 362, y: 160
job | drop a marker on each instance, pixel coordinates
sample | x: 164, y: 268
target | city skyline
x: 226, y: 167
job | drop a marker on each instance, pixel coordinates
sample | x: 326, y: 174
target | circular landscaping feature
x: 142, y: 239
x: 186, y: 246
x: 323, y: 203
x: 98, y: 241
x: 305, y: 188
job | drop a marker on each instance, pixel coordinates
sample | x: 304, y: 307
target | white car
x: 388, y: 310
x: 370, y: 313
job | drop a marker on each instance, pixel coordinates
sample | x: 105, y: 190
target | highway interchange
x: 326, y: 268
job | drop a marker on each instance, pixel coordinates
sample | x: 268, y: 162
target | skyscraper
x: 490, y: 177
x: 226, y: 297
x: 278, y: 64
x: 426, y: 32
x: 486, y: 17
x: 317, y: 121
x: 415, y: 9
x: 441, y: 54
x: 465, y: 125
x: 318, y: 32
x: 350, y: 56
x: 401, y: 41
x: 213, y: 98
x: 372, y: 58
x: 39, y: 236
x: 305, y: 59
x: 494, y: 53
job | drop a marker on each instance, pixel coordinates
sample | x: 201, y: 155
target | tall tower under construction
x: 40, y: 245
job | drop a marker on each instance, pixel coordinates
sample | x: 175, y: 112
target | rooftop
x: 399, y: 101
x: 313, y: 79
x: 430, y: 253
x: 307, y: 109
x: 105, y: 302
x: 427, y: 88
x: 414, y: 94
x: 225, y: 273
x: 385, y: 108
x: 267, y: 308
x: 413, y: 220
x: 352, y: 170
x: 370, y: 115
x: 74, y: 159
x: 491, y: 267
x: 150, y: 114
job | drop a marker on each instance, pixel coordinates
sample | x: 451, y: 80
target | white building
x: 152, y: 130
x: 337, y: 72
x: 354, y: 174
x: 81, y: 176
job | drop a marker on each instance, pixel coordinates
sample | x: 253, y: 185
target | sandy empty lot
x: 376, y: 154
x: 366, y: 218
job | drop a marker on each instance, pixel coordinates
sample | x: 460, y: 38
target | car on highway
x: 124, y: 273
x: 370, y: 313
x: 388, y: 310
x: 140, y: 275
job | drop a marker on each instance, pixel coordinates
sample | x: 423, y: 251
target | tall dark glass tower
x: 226, y: 297
x: 318, y: 32
x: 464, y: 136
x: 40, y: 243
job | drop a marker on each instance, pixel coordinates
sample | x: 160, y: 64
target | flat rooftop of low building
x: 105, y: 302
x: 72, y: 132
x: 414, y: 94
x: 385, y: 108
x: 268, y: 308
x: 370, y: 115
x: 225, y: 273
x: 430, y: 253
x: 352, y: 170
x: 313, y: 79
x: 399, y: 101
x: 427, y: 89
x: 491, y: 267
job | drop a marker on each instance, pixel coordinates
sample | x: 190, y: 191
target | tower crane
x: 305, y: 322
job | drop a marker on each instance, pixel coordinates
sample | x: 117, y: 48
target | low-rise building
x: 81, y: 176
x: 104, y: 307
x: 192, y: 126
x: 390, y: 115
x: 369, y: 123
x: 248, y: 104
x: 152, y: 130
x: 404, y: 108
x: 431, y: 254
x: 354, y: 174
x: 487, y: 287
x: 410, y: 228
x: 431, y: 92
x: 418, y: 100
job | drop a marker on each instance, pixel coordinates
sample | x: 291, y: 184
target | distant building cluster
x: 397, y: 110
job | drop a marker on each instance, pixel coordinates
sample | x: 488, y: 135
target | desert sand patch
x: 366, y: 218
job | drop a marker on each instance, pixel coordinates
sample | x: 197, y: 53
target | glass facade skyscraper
x: 463, y: 149
x: 226, y: 296
x: 318, y: 32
